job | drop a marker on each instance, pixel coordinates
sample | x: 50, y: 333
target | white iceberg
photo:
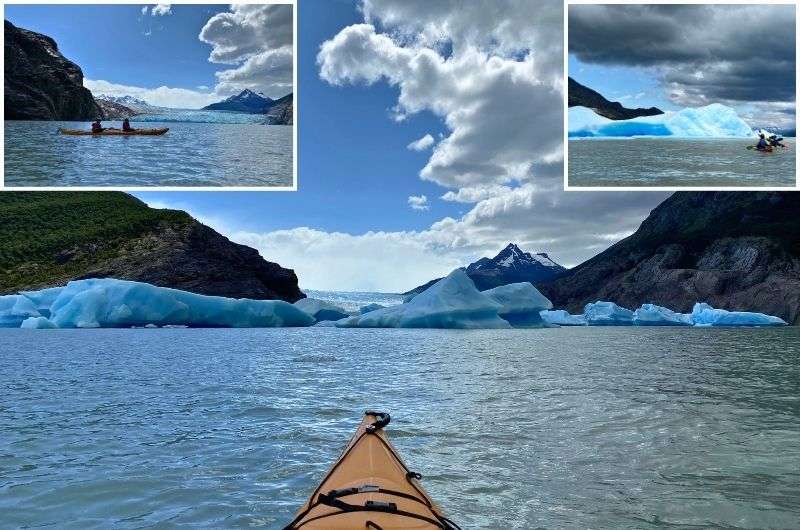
x: 43, y: 298
x: 712, y: 121
x: 108, y: 302
x: 321, y: 309
x: 370, y: 307
x: 655, y: 315
x: 37, y: 323
x: 521, y: 304
x: 14, y: 309
x: 705, y: 315
x: 607, y: 314
x: 560, y: 317
x: 452, y: 302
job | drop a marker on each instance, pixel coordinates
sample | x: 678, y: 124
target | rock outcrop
x: 40, y: 83
x: 114, y: 111
x: 282, y: 111
x: 737, y: 251
x: 582, y: 96
x: 48, y: 239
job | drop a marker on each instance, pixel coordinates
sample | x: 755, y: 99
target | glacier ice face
x: 119, y: 303
x: 452, y: 302
x: 705, y: 315
x: 370, y: 307
x: 712, y: 121
x: 654, y: 315
x: 14, y: 309
x: 560, y: 317
x: 520, y: 304
x: 321, y: 309
x: 607, y: 314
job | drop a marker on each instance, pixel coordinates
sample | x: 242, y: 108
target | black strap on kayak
x: 382, y: 420
x: 373, y: 525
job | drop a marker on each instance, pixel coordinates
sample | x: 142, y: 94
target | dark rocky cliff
x: 582, y: 96
x: 47, y: 239
x: 735, y: 250
x: 40, y: 84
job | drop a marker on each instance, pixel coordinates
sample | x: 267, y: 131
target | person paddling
x: 774, y: 141
x: 126, y: 126
x: 97, y: 127
x: 762, y: 144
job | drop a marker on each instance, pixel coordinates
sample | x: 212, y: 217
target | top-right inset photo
x: 681, y: 96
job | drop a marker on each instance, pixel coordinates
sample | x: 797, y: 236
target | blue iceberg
x: 521, y: 304
x: 452, y: 302
x: 321, y: 309
x: 705, y: 315
x: 607, y: 314
x: 712, y: 121
x: 655, y: 315
x: 370, y: 307
x: 37, y: 323
x: 43, y: 298
x: 14, y: 309
x: 560, y: 317
x: 102, y: 303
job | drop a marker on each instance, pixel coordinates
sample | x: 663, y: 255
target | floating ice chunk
x: 321, y: 309
x: 521, y: 304
x: 43, y: 298
x: 654, y: 315
x: 14, y: 309
x: 370, y: 307
x: 607, y: 314
x: 37, y: 323
x: 119, y: 303
x: 560, y: 317
x: 705, y: 315
x: 452, y: 302
x: 712, y: 121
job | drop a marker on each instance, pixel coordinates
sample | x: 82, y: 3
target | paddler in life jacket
x: 97, y: 127
x: 774, y: 141
x: 762, y: 144
x: 126, y: 125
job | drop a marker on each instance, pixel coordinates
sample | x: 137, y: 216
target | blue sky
x: 183, y: 56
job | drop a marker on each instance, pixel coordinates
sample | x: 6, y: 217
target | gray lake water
x: 678, y: 162
x: 552, y: 428
x: 190, y: 154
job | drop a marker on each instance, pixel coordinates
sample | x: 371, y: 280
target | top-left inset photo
x: 150, y: 96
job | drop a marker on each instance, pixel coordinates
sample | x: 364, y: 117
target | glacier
x: 705, y: 315
x: 712, y: 121
x: 452, y: 302
x: 197, y: 116
x: 560, y: 317
x: 607, y: 314
x: 321, y: 309
x: 520, y: 304
x: 370, y: 307
x: 655, y: 315
x: 14, y: 309
x: 107, y: 302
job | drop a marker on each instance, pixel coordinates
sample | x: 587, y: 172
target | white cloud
x: 160, y: 10
x: 162, y: 96
x: 421, y: 144
x: 144, y: 10
x: 476, y: 193
x: 257, y: 38
x: 418, y: 202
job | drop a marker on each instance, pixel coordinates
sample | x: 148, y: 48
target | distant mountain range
x: 138, y: 105
x: 277, y: 111
x: 511, y: 265
x: 582, y: 96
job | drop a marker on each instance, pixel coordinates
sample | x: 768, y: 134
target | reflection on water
x: 554, y: 428
x: 190, y: 154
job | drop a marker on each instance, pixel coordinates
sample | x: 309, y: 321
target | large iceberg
x: 107, y: 302
x: 321, y: 309
x: 712, y: 121
x: 370, y: 307
x: 655, y: 315
x: 452, y: 302
x: 43, y: 298
x: 560, y: 317
x: 705, y: 315
x: 607, y: 314
x: 521, y: 304
x: 14, y: 309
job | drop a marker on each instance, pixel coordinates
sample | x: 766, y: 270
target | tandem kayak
x: 115, y: 132
x: 370, y: 488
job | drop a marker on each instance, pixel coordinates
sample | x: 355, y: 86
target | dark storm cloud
x: 705, y: 53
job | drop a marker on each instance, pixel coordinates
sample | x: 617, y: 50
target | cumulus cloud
x: 421, y: 144
x: 257, y: 38
x: 418, y: 202
x: 144, y: 10
x: 476, y: 193
x: 701, y: 53
x: 160, y: 10
x: 162, y: 96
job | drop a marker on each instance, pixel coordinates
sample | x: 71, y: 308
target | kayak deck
x: 369, y: 487
x: 115, y: 132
